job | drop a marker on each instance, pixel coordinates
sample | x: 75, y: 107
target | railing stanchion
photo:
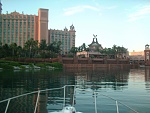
x: 117, y: 106
x: 95, y: 95
x: 7, y: 106
x: 64, y: 95
x: 74, y: 95
x: 37, y: 101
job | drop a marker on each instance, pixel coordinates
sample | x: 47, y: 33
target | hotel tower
x: 18, y: 28
x: 66, y: 37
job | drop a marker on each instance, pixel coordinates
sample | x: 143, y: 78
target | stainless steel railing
x: 76, y: 87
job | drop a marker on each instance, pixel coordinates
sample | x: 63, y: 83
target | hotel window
x: 20, y: 24
x: 4, y: 24
x: 8, y: 41
x: 8, y: 24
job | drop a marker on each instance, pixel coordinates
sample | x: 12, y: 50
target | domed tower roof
x: 94, y: 46
x: 65, y: 29
x: 72, y: 28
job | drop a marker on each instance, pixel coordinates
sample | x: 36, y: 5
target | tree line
x: 115, y: 51
x: 31, y: 49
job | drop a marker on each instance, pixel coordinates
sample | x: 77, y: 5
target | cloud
x: 141, y: 13
x: 78, y: 9
x: 111, y: 7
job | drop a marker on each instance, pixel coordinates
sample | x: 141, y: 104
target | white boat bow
x: 67, y: 109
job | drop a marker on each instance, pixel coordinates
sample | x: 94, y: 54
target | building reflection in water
x: 147, y: 78
x: 22, y: 82
x: 102, y: 78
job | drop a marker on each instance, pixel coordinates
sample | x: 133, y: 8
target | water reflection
x: 147, y: 78
x: 103, y: 78
x: 14, y: 83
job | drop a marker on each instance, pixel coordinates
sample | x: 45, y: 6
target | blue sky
x: 122, y: 22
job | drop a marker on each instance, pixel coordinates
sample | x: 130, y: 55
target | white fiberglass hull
x: 68, y: 109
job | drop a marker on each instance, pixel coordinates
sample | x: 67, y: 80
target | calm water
x: 129, y: 86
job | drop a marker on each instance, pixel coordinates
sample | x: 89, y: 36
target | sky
x: 121, y: 22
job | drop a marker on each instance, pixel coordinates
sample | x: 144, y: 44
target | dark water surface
x: 129, y: 86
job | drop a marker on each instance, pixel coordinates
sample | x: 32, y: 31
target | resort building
x: 66, y: 37
x: 18, y: 27
x: 95, y: 46
x: 93, y: 51
x: 136, y: 57
x: 134, y: 53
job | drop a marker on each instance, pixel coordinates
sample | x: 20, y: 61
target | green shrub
x: 31, y: 65
x: 14, y: 63
x: 3, y: 61
x: 56, y: 64
x: 6, y: 66
x: 70, y: 56
x: 40, y: 65
x: 23, y: 63
x: 22, y: 67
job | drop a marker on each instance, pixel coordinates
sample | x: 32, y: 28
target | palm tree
x: 31, y: 47
x: 6, y: 50
x: 79, y: 48
x: 74, y: 50
x: 1, y: 49
x: 123, y: 51
x: 114, y: 48
x: 58, y: 47
x: 55, y: 48
x: 83, y: 47
x: 43, y: 45
x: 13, y: 47
x: 19, y: 51
x: 43, y: 48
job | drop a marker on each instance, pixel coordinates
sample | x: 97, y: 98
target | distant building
x: 147, y: 54
x: 18, y: 28
x: 137, y: 57
x: 94, y: 49
x: 67, y: 38
x: 135, y: 53
x: 95, y: 46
